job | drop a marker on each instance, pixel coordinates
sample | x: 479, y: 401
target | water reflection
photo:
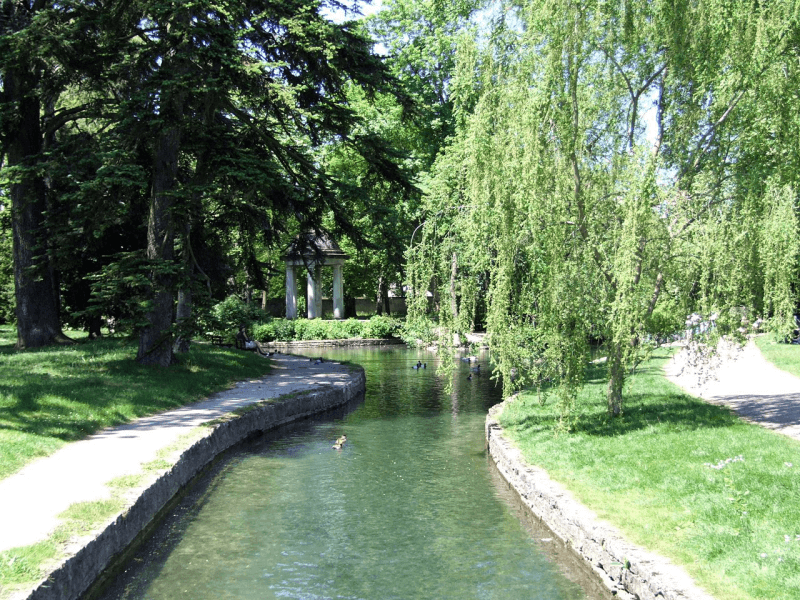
x: 407, y: 508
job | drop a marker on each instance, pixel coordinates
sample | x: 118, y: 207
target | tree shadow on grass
x: 659, y: 405
x: 667, y: 412
x: 99, y: 384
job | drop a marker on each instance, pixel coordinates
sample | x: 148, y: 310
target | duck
x: 469, y: 377
x: 341, y: 440
x: 475, y: 369
x: 337, y: 446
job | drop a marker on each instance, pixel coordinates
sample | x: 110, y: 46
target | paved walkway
x: 742, y: 379
x: 32, y: 499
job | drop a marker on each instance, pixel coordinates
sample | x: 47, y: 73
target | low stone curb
x: 79, y: 571
x: 629, y: 572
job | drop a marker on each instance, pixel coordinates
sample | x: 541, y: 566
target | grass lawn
x: 784, y: 356
x: 678, y: 476
x: 51, y: 396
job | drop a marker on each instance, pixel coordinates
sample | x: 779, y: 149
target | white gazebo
x: 312, y: 252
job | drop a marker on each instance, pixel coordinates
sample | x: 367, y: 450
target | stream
x: 410, y: 507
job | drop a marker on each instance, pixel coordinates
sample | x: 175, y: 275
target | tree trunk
x: 95, y: 323
x: 382, y: 305
x: 616, y: 380
x: 155, y: 340
x: 350, y: 311
x: 35, y: 287
x: 183, y: 316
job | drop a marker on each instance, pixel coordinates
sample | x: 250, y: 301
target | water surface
x: 409, y: 508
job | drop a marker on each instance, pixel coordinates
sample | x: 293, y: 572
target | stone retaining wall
x: 628, y: 571
x: 77, y: 573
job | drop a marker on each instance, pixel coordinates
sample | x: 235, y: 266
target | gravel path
x: 742, y: 379
x: 32, y: 499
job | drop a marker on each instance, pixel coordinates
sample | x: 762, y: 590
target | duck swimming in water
x: 341, y: 440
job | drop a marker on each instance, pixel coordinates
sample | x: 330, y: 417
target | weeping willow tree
x: 617, y: 165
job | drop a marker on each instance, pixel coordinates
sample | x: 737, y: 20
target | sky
x: 366, y: 10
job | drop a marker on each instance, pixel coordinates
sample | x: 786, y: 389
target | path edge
x: 75, y: 574
x: 627, y: 570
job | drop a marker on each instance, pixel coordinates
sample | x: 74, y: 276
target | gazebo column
x: 313, y: 293
x: 318, y: 286
x: 338, y: 296
x: 291, y: 292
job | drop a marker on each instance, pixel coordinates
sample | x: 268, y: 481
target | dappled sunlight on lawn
x: 63, y: 394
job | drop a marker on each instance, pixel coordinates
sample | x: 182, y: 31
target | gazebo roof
x: 309, y: 246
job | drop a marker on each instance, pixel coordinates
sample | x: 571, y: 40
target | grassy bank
x: 55, y: 395
x: 681, y: 477
x: 784, y: 356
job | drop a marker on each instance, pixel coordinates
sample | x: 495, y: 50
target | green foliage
x: 666, y: 320
x: 275, y: 329
x: 780, y: 251
x: 607, y: 178
x: 212, y: 143
x: 377, y: 327
x: 7, y: 304
x: 420, y: 332
x: 123, y: 289
x: 381, y: 327
x: 227, y: 316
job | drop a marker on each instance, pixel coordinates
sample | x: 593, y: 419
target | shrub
x: 420, y: 333
x: 313, y: 329
x: 225, y: 317
x: 666, y: 321
x: 317, y: 329
x: 275, y: 329
x: 381, y: 327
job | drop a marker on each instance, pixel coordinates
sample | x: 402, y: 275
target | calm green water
x: 410, y: 508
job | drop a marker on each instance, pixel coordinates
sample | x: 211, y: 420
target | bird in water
x: 418, y: 365
x: 339, y: 442
x: 476, y: 369
x: 469, y: 377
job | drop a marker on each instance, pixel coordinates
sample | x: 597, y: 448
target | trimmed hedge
x: 283, y: 330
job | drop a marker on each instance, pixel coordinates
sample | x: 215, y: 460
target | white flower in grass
x: 788, y: 464
x: 724, y: 463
